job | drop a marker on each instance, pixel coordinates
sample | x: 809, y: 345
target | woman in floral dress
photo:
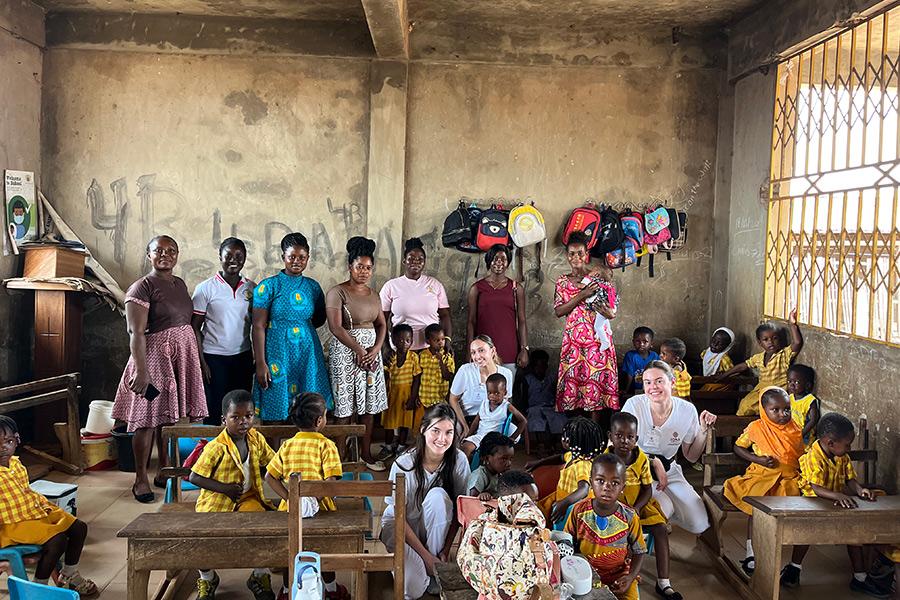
x: 588, y: 377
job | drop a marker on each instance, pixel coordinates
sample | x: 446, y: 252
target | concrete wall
x: 206, y: 146
x: 856, y: 378
x: 21, y: 40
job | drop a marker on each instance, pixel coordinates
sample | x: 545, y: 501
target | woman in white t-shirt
x: 436, y: 474
x: 468, y: 391
x: 221, y: 322
x: 665, y: 424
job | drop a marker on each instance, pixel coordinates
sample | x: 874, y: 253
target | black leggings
x: 226, y: 373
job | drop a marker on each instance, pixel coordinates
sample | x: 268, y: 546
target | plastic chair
x: 22, y: 589
x: 504, y: 429
x: 185, y: 447
x: 15, y: 555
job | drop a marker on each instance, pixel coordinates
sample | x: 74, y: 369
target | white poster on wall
x: 21, y: 209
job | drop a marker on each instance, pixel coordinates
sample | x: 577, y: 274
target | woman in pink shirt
x: 415, y: 298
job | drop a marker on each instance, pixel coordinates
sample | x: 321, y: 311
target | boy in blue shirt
x: 635, y: 360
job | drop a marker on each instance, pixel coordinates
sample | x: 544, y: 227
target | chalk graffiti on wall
x: 111, y: 219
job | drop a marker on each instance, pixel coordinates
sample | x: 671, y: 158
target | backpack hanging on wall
x: 526, y: 225
x: 469, y: 244
x: 457, y: 228
x: 585, y: 219
x: 610, y: 237
x: 493, y: 228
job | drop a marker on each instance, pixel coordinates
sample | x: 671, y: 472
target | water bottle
x: 307, y: 577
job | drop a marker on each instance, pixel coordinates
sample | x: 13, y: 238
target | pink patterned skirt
x: 173, y: 364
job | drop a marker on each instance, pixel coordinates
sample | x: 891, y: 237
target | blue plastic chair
x: 22, y: 589
x: 504, y: 429
x: 185, y: 447
x: 14, y: 555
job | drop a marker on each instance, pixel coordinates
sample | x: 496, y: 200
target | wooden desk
x: 176, y: 541
x: 780, y: 521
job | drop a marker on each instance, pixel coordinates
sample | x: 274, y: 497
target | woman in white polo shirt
x: 221, y: 322
x: 468, y: 390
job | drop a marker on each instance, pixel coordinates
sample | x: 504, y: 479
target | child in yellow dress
x: 607, y: 532
x: 437, y: 368
x: 402, y: 375
x: 805, y: 407
x: 228, y: 475
x: 826, y: 472
x: 772, y: 445
x: 672, y: 351
x: 27, y: 517
x: 638, y: 494
x: 772, y: 363
x: 583, y: 440
x: 715, y: 359
x: 312, y: 455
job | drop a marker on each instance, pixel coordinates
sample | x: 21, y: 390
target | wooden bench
x: 718, y: 506
x: 349, y: 557
x: 720, y: 402
x: 185, y: 541
x: 780, y: 521
x: 54, y: 389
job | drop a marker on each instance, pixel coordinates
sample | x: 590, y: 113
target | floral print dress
x: 588, y: 377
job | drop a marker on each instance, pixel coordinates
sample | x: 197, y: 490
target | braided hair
x: 306, y: 408
x: 585, y: 439
x: 232, y: 242
x: 292, y: 240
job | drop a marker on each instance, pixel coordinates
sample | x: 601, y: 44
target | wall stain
x: 252, y: 106
x: 261, y: 187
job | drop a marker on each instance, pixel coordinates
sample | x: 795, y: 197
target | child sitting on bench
x: 772, y: 445
x: 804, y: 405
x: 826, y: 472
x: 316, y: 458
x: 228, y: 475
x: 27, y: 517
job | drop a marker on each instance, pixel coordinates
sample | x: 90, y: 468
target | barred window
x: 832, y: 240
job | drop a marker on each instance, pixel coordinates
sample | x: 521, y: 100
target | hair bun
x: 413, y: 243
x: 360, y: 246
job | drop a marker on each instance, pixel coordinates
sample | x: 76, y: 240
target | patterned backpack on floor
x: 506, y: 553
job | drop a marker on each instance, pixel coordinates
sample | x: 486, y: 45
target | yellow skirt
x: 397, y: 415
x: 761, y: 481
x: 651, y: 514
x: 250, y: 502
x: 36, y: 531
x: 750, y: 403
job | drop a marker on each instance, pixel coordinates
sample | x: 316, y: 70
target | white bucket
x: 576, y: 571
x: 100, y: 419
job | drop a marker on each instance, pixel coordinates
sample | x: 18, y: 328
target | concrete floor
x: 106, y: 504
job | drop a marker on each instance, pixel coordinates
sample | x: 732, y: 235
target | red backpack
x: 585, y: 219
x: 493, y: 228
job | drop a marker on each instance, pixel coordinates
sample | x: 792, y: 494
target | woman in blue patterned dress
x: 287, y: 309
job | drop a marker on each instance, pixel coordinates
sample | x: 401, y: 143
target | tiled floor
x: 106, y: 504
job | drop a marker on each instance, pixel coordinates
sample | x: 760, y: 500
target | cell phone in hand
x: 151, y: 392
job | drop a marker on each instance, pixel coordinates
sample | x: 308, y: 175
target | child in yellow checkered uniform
x: 228, y: 475
x: 826, y: 472
x: 673, y: 351
x: 27, y: 517
x: 403, y: 375
x: 437, y: 368
x: 772, y: 363
x: 312, y: 455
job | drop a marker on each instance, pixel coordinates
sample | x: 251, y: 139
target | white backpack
x: 526, y: 226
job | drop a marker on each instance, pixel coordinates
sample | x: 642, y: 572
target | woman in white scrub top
x: 665, y: 424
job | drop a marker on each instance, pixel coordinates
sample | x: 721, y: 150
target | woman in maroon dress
x: 497, y: 310
x: 164, y: 355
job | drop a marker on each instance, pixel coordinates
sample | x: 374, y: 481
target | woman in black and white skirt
x: 354, y: 359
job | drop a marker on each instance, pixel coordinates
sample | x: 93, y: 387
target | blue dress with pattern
x: 293, y: 351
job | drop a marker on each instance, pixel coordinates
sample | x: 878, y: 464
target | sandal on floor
x: 668, y: 593
x: 146, y: 498
x: 745, y: 565
x: 84, y: 587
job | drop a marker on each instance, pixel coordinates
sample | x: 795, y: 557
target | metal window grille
x: 832, y: 239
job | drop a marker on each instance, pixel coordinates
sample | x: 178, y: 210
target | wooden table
x: 780, y: 521
x: 175, y: 541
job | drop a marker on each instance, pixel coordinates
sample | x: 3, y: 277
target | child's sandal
x: 668, y: 593
x: 77, y: 583
x: 745, y: 565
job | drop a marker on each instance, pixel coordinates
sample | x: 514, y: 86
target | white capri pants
x: 437, y: 513
x: 680, y: 503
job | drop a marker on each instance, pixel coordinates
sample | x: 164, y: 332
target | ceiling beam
x: 389, y: 26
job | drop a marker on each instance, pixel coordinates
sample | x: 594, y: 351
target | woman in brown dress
x: 162, y: 381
